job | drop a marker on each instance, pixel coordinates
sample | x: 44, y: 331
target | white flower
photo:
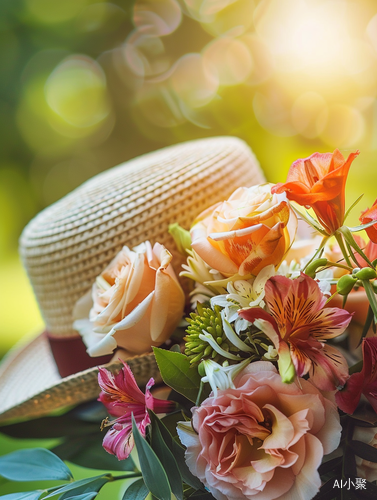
x: 324, y: 279
x: 293, y: 270
x: 200, y: 294
x: 197, y: 270
x: 272, y: 353
x: 243, y: 294
x: 221, y: 377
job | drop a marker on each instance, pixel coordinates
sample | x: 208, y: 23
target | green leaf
x: 352, y: 206
x: 35, y: 464
x: 175, y: 348
x: 69, y: 424
x: 364, y: 416
x: 24, y: 495
x: 179, y: 455
x: 88, y: 485
x: 200, y: 495
x: 160, y: 447
x: 309, y: 220
x: 364, y: 450
x: 177, y: 373
x: 170, y: 422
x: 137, y: 491
x: 349, y: 239
x: 87, y: 451
x: 84, y: 496
x: 368, y: 322
x: 154, y: 475
x: 181, y: 237
x: 363, y: 226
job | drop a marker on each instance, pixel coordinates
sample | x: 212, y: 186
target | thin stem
x: 351, y: 241
x: 127, y: 476
x: 341, y: 266
x: 351, y: 254
x: 339, y: 239
x: 370, y: 295
x: 331, y: 297
x: 317, y: 252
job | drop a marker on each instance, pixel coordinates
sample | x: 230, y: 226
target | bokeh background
x: 87, y: 84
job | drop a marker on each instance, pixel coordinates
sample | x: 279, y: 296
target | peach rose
x: 135, y: 303
x: 262, y: 440
x: 246, y: 233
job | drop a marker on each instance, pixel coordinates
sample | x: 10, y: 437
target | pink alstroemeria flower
x: 364, y: 382
x: 123, y: 398
x: 299, y: 325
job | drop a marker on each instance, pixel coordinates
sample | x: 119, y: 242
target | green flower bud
x: 313, y: 266
x: 367, y: 273
x: 181, y: 238
x: 345, y: 284
x: 201, y: 369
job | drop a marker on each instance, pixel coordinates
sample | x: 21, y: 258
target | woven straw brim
x: 32, y: 387
x: 70, y: 243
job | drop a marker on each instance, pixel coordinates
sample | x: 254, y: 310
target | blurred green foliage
x: 87, y: 84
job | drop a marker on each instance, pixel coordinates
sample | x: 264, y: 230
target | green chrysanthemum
x: 209, y: 336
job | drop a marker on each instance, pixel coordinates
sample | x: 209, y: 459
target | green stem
x: 351, y: 254
x: 351, y: 241
x: 371, y: 296
x: 331, y: 297
x: 339, y: 239
x: 341, y: 266
x: 317, y: 252
x: 201, y: 387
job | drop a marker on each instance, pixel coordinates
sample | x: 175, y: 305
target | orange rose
x: 319, y: 182
x: 135, y: 303
x: 246, y: 233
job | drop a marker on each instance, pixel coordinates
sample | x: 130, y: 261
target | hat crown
x: 69, y: 243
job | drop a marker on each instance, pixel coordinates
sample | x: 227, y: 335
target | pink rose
x: 246, y: 233
x: 135, y: 303
x: 262, y: 440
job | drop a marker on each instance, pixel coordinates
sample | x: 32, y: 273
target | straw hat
x: 68, y: 244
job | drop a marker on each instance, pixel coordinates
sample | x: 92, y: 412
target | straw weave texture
x: 70, y: 243
x: 35, y: 388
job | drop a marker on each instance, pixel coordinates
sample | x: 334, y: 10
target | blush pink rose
x: 263, y: 440
x: 135, y: 303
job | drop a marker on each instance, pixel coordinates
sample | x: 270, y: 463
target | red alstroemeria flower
x: 319, y: 182
x: 369, y: 215
x: 364, y: 382
x: 123, y: 398
x: 299, y: 325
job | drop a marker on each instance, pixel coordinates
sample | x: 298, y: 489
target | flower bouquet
x: 270, y: 381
